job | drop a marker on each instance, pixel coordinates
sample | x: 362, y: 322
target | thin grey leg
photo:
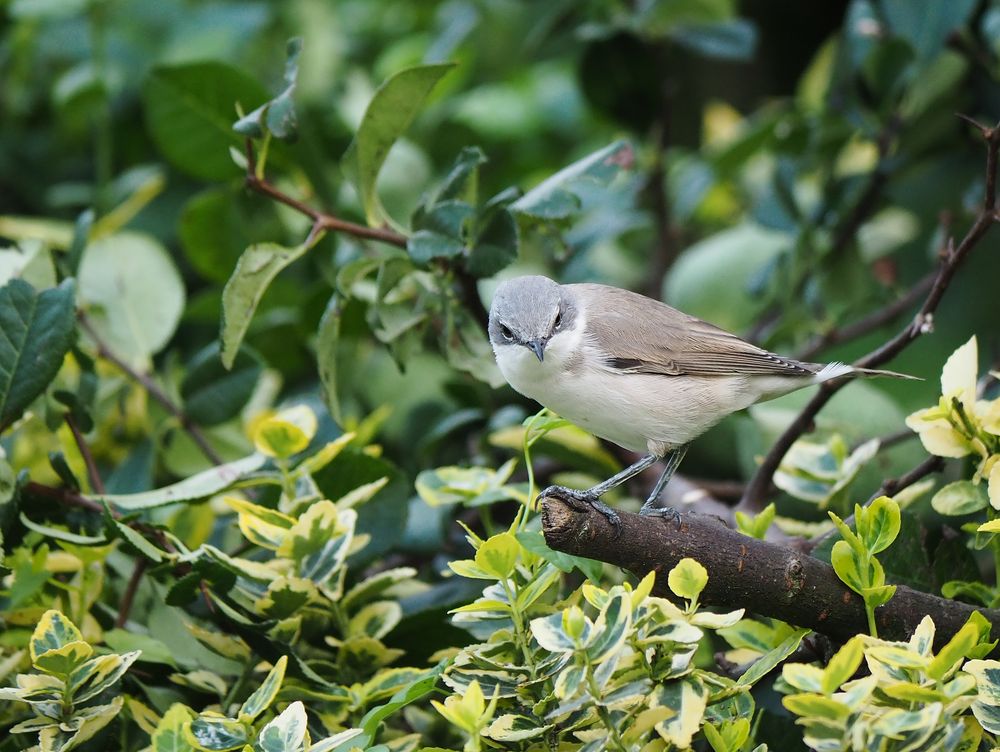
x: 673, y: 460
x: 592, y: 496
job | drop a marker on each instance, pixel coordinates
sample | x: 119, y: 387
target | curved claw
x: 666, y: 513
x: 584, y: 501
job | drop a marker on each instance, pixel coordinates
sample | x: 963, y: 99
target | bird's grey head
x: 528, y: 312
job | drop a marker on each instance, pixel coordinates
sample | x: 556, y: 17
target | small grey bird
x: 634, y: 371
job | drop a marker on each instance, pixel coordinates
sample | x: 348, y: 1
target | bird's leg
x: 592, y: 496
x: 673, y: 460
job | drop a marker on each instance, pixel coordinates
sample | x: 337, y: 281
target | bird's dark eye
x: 506, y: 332
x: 558, y: 322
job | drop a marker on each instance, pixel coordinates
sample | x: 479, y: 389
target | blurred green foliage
x: 776, y: 168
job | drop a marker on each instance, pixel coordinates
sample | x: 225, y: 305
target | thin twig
x: 88, y: 458
x: 893, y: 486
x: 128, y: 597
x: 875, y: 320
x: 154, y: 391
x: 64, y: 496
x: 323, y: 221
x: 922, y: 323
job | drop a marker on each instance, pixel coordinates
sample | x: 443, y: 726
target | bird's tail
x: 838, y: 370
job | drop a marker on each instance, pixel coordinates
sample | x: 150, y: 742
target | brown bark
x: 743, y: 572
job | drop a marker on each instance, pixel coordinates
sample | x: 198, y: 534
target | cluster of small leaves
x: 72, y: 693
x: 601, y: 668
x: 612, y: 678
x: 451, y: 235
x: 821, y: 473
x: 910, y: 698
x: 853, y: 558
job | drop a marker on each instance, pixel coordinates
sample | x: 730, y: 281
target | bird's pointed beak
x: 537, y: 346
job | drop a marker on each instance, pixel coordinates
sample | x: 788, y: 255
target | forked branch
x: 923, y: 322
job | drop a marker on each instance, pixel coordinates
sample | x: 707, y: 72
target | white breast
x: 641, y: 412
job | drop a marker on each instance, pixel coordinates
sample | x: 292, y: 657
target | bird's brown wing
x: 642, y: 335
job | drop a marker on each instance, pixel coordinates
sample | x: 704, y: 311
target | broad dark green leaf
x: 496, y: 246
x: 211, y: 393
x: 189, y: 112
x: 426, y: 245
x: 38, y: 330
x: 216, y: 226
x: 390, y: 112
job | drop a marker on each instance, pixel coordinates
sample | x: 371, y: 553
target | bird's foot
x: 649, y: 509
x: 584, y: 501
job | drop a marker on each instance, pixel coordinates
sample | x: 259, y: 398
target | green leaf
x: 881, y: 523
x: 845, y: 564
x: 956, y: 649
x: 264, y: 695
x: 320, y: 540
x: 211, y: 393
x: 472, y: 486
x: 38, y: 330
x: 216, y: 225
x: 327, y: 341
x: 688, y: 698
x: 733, y: 39
x: 960, y: 498
x: 151, y: 649
x: 772, y: 658
x: 498, y: 555
x: 462, y: 181
x: 496, y: 243
x: 54, y: 631
x: 389, y: 113
x: 256, y: 269
x: 843, y: 665
x: 97, y: 674
x: 687, y: 579
x: 515, y: 728
x: 63, y: 660
x: 189, y: 112
x: 610, y: 628
x: 375, y: 619
x: 816, y: 706
x: 57, y: 533
x: 133, y: 294
x: 696, y: 286
x: 925, y: 29
x: 287, y: 732
x: 534, y: 541
x: 554, y: 197
x: 200, y: 486
x: 169, y: 734
x: 276, y: 116
x: 426, y: 245
x: 216, y: 734
x: 137, y: 539
x: 415, y: 690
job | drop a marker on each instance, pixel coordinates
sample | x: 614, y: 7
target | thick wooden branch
x: 743, y: 572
